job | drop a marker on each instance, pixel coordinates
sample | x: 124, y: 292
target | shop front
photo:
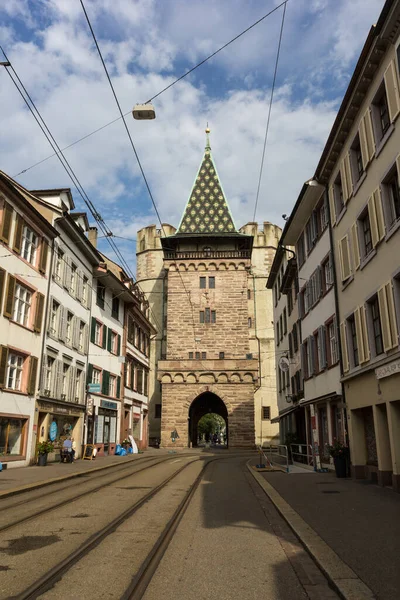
x: 103, y: 425
x: 56, y: 423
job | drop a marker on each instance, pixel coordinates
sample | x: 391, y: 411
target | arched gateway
x: 206, y: 403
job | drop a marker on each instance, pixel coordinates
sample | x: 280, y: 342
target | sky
x: 146, y: 45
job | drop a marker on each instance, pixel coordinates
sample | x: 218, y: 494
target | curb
x: 44, y: 483
x: 341, y: 577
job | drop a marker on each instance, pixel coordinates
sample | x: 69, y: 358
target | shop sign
x: 58, y: 410
x: 108, y: 404
x: 89, y: 406
x: 94, y: 388
x: 53, y: 431
x: 387, y: 370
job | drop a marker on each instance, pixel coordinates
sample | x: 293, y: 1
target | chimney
x: 92, y: 235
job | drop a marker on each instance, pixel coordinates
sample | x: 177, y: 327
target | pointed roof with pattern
x: 207, y: 211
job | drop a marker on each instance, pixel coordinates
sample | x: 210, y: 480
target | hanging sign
x: 283, y: 364
x: 53, y: 431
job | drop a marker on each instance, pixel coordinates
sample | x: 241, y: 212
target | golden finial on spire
x: 207, y: 130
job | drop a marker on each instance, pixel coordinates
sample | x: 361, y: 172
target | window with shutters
x: 354, y: 358
x: 98, y: 333
x: 115, y: 307
x: 58, y: 266
x: 311, y: 233
x: 277, y: 333
x: 327, y: 274
x: 29, y: 245
x: 301, y: 253
x: 140, y: 379
x: 96, y: 376
x: 380, y: 113
x: 289, y: 298
x: 376, y: 325
x: 391, y: 197
x: 78, y: 385
x: 15, y: 366
x: 100, y: 294
x: 365, y: 237
x: 112, y: 386
x: 49, y: 375
x: 22, y: 305
x: 338, y: 194
x: 306, y: 362
x: 322, y: 216
x: 54, y: 317
x: 284, y: 321
x: 333, y: 355
x: 85, y: 290
x: 73, y: 279
x: 65, y: 381
x: 266, y: 413
x: 317, y: 352
x: 344, y: 254
x: 82, y: 336
x: 295, y: 338
x: 68, y: 328
x: 281, y: 328
x: 356, y: 159
x: 113, y: 342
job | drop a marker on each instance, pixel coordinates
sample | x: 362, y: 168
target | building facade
x: 26, y: 240
x: 360, y: 166
x: 202, y: 289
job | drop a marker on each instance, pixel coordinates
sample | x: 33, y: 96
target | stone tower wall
x: 262, y: 333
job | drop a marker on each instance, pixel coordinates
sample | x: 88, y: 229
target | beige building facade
x: 213, y: 351
x: 360, y: 166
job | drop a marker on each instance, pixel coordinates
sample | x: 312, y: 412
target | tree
x: 210, y: 424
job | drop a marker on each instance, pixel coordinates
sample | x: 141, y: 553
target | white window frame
x: 96, y: 376
x: 49, y: 373
x: 29, y: 245
x: 15, y: 365
x: 73, y: 279
x: 114, y: 342
x: 78, y: 384
x: 97, y: 333
x: 54, y: 317
x: 69, y: 323
x: 112, y: 386
x: 22, y: 304
x: 81, y: 338
x: 333, y: 346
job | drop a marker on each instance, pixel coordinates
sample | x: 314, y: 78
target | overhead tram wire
x: 162, y: 91
x: 269, y: 109
x: 135, y: 153
x: 70, y: 172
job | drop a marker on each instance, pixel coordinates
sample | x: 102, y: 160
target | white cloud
x: 142, y: 42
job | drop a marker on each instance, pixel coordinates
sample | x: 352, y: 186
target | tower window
x: 211, y: 283
x: 202, y: 283
x: 222, y: 355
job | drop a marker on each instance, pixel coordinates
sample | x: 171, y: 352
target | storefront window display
x: 106, y: 427
x: 61, y: 426
x: 12, y: 433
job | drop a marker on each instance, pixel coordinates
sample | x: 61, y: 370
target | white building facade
x: 26, y: 240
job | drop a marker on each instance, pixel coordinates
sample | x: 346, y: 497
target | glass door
x: 106, y: 433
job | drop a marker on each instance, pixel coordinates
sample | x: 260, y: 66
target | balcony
x: 196, y: 254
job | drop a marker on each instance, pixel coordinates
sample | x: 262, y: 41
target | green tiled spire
x: 207, y: 210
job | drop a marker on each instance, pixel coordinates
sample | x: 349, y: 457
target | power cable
x: 64, y: 162
x: 135, y: 151
x: 159, y: 93
x: 270, y: 107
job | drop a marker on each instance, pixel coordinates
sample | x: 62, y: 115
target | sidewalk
x: 358, y: 520
x: 13, y: 480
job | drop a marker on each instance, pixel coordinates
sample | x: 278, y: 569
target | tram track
x: 154, y: 461
x: 140, y: 581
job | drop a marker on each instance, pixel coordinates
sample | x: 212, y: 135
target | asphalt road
x: 232, y: 544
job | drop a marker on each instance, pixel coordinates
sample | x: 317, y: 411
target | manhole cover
x: 330, y: 492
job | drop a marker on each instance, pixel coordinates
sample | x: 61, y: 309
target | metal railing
x: 277, y: 455
x: 303, y: 454
x: 208, y: 254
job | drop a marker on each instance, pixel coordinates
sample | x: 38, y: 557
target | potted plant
x: 43, y: 448
x: 339, y: 453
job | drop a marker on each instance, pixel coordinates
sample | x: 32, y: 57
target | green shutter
x: 93, y: 331
x: 8, y: 307
x: 104, y: 340
x: 5, y: 227
x: 89, y: 373
x: 119, y: 345
x: 118, y: 386
x: 105, y: 383
x: 109, y: 340
x: 3, y: 365
x: 19, y: 225
x: 33, y: 365
x: 2, y: 284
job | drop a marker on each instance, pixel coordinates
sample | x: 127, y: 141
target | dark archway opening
x: 206, y: 403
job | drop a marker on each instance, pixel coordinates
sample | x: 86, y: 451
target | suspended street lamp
x: 143, y: 112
